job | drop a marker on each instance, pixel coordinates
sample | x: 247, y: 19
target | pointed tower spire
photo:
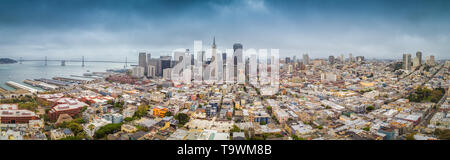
x: 214, y: 43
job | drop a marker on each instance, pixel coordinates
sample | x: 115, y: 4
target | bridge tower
x: 82, y: 61
x: 125, y: 66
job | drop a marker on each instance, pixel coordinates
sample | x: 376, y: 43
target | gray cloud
x: 113, y: 29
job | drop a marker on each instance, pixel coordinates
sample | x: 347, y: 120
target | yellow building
x: 159, y: 111
x: 128, y: 128
x: 367, y: 84
x: 237, y: 106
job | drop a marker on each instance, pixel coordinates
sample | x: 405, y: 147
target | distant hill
x: 7, y: 61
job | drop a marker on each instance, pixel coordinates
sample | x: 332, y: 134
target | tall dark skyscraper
x: 224, y: 57
x: 166, y: 62
x: 192, y: 59
x: 288, y: 60
x: 237, y: 46
x: 419, y: 56
x: 331, y: 60
x: 237, y: 55
x: 143, y: 61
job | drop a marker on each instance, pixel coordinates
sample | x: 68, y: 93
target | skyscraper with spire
x: 214, y: 43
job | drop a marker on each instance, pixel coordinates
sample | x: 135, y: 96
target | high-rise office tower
x: 416, y: 62
x: 151, y: 71
x: 350, y: 58
x: 407, y: 61
x: 224, y: 57
x: 331, y: 59
x: 224, y: 60
x: 143, y: 61
x: 149, y: 58
x: 201, y: 57
x: 238, y: 58
x: 359, y: 58
x: 192, y: 59
x: 288, y: 60
x: 166, y: 62
x: 237, y: 46
x: 419, y: 56
x: 430, y: 60
x: 305, y: 59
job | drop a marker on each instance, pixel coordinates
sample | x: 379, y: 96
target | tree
x: 168, y: 113
x: 370, y: 108
x: 84, y: 108
x: 278, y: 135
x: 79, y: 120
x: 262, y: 123
x: 319, y: 127
x: 436, y: 95
x: 128, y: 119
x: 366, y: 129
x: 182, y: 118
x: 111, y: 102
x: 42, y: 102
x: 235, y: 129
x: 28, y: 105
x: 442, y: 133
x: 107, y: 129
x: 75, y: 128
x: 91, y: 127
x: 141, y: 111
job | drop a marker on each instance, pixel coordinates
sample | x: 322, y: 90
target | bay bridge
x: 64, y: 61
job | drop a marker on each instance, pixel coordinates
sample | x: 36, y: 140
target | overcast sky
x: 113, y: 29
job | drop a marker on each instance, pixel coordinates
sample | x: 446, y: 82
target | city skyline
x: 118, y: 29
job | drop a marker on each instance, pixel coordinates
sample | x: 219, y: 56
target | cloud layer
x: 113, y: 29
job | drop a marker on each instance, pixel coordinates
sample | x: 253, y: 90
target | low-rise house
x: 57, y: 134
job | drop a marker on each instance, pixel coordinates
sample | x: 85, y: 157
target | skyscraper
x: 288, y: 60
x: 143, y: 61
x: 305, y: 59
x: 166, y: 62
x: 350, y: 58
x: 149, y: 58
x: 430, y: 60
x: 238, y: 58
x: 237, y: 46
x: 407, y: 61
x: 331, y: 59
x: 419, y: 56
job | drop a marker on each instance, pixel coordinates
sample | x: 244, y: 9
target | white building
x: 138, y: 72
